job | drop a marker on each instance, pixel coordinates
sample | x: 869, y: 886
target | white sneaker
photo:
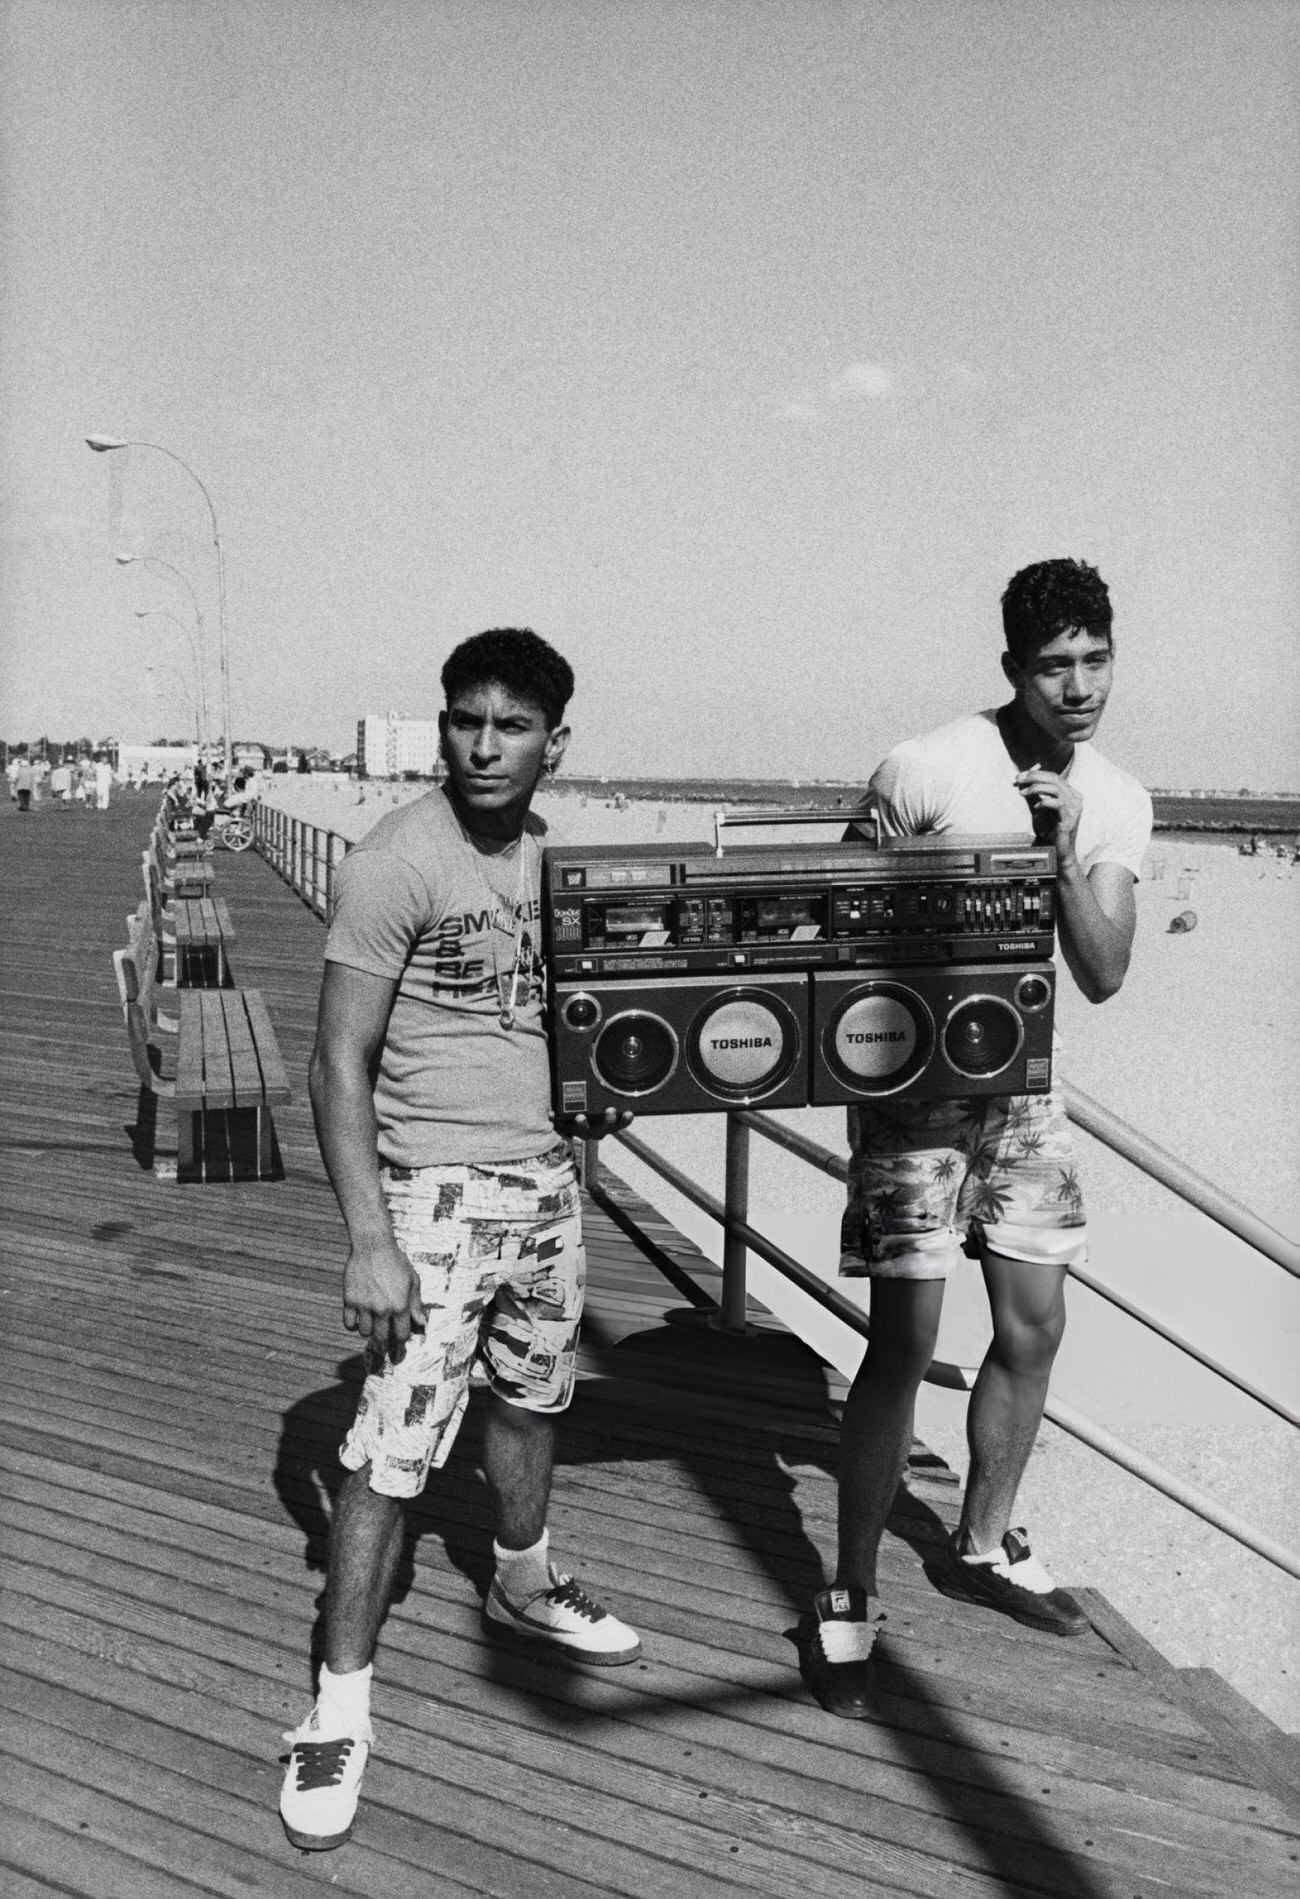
x: 563, y: 1617
x: 318, y: 1801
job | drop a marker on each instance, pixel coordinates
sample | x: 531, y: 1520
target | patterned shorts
x: 925, y: 1175
x: 499, y: 1255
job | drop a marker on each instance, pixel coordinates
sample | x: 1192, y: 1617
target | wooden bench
x: 174, y: 826
x: 228, y: 1070
x: 202, y: 931
x: 194, y: 934
x: 178, y: 876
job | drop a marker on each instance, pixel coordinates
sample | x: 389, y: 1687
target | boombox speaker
x: 932, y: 1033
x: 681, y: 1045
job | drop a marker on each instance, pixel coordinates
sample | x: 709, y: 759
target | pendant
x: 507, y: 1018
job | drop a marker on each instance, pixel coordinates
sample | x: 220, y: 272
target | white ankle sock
x: 343, y: 1700
x: 524, y: 1573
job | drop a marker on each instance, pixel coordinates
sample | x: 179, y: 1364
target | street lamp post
x: 154, y: 560
x: 105, y: 444
x: 174, y: 672
x: 196, y: 655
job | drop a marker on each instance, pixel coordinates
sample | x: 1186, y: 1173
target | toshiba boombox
x: 683, y: 981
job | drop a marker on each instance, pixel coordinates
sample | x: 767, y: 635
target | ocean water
x: 1175, y: 811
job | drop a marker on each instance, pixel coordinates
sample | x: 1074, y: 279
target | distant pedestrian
x: 23, y: 781
x: 61, y: 784
x: 103, y: 783
x: 11, y: 773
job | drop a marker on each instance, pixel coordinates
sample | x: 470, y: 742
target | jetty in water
x: 176, y: 1381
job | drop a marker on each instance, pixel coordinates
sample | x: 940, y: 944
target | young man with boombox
x: 923, y: 1175
x: 430, y: 1083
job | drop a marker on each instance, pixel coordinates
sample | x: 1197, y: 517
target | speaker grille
x: 880, y: 1037
x: 743, y: 1045
x: 982, y: 1036
x: 1033, y: 993
x: 635, y: 1053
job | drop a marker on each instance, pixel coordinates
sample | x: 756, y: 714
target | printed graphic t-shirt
x: 418, y: 902
x: 961, y: 778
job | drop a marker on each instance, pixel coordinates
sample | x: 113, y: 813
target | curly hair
x: 517, y: 659
x: 1052, y: 597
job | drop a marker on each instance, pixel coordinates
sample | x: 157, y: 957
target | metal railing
x: 740, y: 1238
x: 307, y: 855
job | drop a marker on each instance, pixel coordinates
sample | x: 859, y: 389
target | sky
x: 743, y: 350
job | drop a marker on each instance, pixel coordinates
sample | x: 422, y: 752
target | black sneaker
x: 836, y: 1663
x: 1012, y: 1580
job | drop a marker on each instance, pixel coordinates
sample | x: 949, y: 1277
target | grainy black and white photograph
x: 650, y: 845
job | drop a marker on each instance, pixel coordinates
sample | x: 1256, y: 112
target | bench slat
x: 202, y: 922
x: 191, y: 1079
x: 245, y: 1069
x: 220, y: 1074
x: 275, y: 1081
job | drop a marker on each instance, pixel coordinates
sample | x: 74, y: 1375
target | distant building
x: 155, y: 762
x: 389, y: 746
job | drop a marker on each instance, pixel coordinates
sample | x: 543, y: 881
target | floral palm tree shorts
x: 499, y: 1255
x: 931, y: 1179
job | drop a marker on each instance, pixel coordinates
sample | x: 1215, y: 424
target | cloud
x: 866, y: 379
x: 870, y: 382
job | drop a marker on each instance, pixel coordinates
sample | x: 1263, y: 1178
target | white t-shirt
x: 962, y: 778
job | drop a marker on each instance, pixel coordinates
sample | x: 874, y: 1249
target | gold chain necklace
x: 507, y: 1008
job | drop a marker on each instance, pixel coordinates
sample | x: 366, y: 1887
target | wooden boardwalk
x: 176, y: 1379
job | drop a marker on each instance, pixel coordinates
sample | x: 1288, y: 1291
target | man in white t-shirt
x: 999, y: 1172
x: 430, y: 1084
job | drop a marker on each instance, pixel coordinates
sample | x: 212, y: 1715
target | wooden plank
x: 1036, y: 1694
x: 32, y: 1844
x: 219, y: 1090
x: 224, y: 1791
x: 191, y: 1069
x: 245, y: 1073
x: 275, y: 1081
x: 956, y: 1671
x: 975, y: 1823
x: 235, y: 1566
x: 1268, y: 1755
x: 185, y: 926
x: 496, y: 1804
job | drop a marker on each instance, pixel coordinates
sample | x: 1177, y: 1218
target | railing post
x: 590, y: 1164
x: 731, y: 1308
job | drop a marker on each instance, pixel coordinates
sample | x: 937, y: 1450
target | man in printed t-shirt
x: 925, y: 1175
x: 430, y: 1084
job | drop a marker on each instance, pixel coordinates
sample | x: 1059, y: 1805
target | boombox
x: 683, y: 982
x: 691, y: 1044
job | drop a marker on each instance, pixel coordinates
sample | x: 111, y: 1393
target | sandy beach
x: 1199, y: 1051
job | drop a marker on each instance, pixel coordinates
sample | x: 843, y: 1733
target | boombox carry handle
x: 791, y: 814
